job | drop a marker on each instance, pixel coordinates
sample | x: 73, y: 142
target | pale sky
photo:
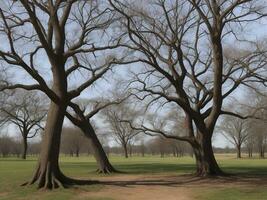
x: 257, y: 31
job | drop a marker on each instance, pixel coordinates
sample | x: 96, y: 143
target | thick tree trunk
x: 25, y: 147
x: 48, y: 174
x: 104, y: 166
x: 205, y: 160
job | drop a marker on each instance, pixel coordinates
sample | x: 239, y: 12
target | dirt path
x: 143, y: 193
x: 139, y: 187
x: 162, y: 187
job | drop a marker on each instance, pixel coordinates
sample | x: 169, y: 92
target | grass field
x: 141, y: 174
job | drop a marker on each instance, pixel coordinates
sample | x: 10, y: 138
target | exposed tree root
x: 107, y: 170
x: 210, y: 174
x: 47, y: 179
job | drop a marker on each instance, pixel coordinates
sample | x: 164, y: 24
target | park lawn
x: 14, y: 171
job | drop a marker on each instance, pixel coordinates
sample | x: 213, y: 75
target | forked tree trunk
x: 25, y: 147
x: 104, y: 166
x: 48, y: 174
x: 205, y: 161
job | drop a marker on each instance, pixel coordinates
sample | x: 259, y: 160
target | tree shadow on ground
x: 152, y: 168
x: 185, y: 180
x: 189, y: 180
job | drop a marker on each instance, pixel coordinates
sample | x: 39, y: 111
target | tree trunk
x: 250, y: 153
x: 104, y: 166
x: 205, y: 160
x: 238, y: 148
x: 25, y: 147
x: 77, y: 153
x: 125, y: 150
x: 48, y: 174
x: 143, y: 153
x: 262, y: 152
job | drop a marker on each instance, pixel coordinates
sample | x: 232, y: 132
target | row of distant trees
x: 251, y: 133
x: 75, y: 145
x: 27, y: 112
x: 247, y: 136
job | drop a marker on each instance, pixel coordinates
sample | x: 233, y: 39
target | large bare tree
x: 82, y: 118
x: 46, y: 40
x: 180, y: 45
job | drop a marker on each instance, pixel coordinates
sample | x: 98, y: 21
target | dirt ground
x: 160, y: 187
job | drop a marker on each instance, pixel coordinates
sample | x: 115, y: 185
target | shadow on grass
x: 18, y: 160
x: 155, y: 168
x: 186, y: 181
x: 190, y: 180
x: 242, y: 170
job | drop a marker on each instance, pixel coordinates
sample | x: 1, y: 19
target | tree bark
x: 25, y: 147
x: 238, y: 148
x: 104, y: 166
x: 205, y: 160
x: 125, y: 150
x: 48, y: 174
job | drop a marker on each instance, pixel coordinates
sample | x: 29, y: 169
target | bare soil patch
x: 158, y: 187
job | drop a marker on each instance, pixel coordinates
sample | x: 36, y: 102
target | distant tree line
x: 75, y: 144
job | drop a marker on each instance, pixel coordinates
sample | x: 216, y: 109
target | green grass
x: 14, y: 172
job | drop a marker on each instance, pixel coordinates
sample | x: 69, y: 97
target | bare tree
x: 27, y: 111
x: 260, y: 138
x: 83, y: 119
x: 257, y: 127
x: 235, y: 131
x: 249, y: 144
x: 58, y: 33
x: 257, y: 139
x: 180, y: 44
x: 116, y: 117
